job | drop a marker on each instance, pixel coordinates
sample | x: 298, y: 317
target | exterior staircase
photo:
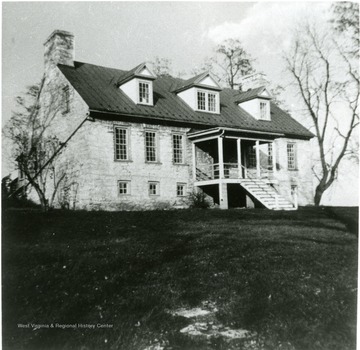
x: 201, y: 176
x: 266, y: 194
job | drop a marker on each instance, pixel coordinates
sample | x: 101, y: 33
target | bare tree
x: 327, y: 80
x: 346, y: 21
x: 161, y: 66
x: 34, y: 148
x: 230, y: 62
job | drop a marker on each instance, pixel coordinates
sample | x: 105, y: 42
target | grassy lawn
x: 291, y: 277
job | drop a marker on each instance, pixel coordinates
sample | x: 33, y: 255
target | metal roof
x: 196, y: 81
x: 98, y: 86
x: 250, y: 94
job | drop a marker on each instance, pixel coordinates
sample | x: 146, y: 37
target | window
x: 212, y: 102
x: 150, y: 146
x: 251, y: 157
x: 121, y: 144
x: 144, y: 92
x: 124, y: 187
x: 178, y: 149
x: 66, y: 100
x: 291, y: 156
x: 263, y: 110
x: 201, y: 100
x: 270, y: 156
x: 180, y: 189
x: 207, y: 101
x: 153, y: 188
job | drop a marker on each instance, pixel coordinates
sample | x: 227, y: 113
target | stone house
x: 141, y: 141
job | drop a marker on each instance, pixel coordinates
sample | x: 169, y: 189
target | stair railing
x: 206, y: 171
x: 231, y: 171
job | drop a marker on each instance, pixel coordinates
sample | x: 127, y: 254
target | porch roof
x: 245, y: 133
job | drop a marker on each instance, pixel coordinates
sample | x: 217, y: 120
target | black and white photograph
x: 180, y: 175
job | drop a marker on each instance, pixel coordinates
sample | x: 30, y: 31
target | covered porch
x: 224, y: 158
x: 225, y: 153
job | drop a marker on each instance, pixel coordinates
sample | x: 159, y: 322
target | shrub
x: 198, y: 200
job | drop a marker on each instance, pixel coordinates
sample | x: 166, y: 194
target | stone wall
x: 88, y: 159
x: 302, y: 177
x: 105, y: 172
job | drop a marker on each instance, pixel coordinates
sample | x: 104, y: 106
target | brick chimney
x: 253, y: 81
x: 59, y: 48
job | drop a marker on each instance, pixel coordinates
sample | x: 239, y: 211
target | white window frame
x: 157, y: 188
x: 215, y: 102
x: 156, y: 141
x: 266, y: 115
x: 128, y: 188
x: 149, y: 83
x: 183, y: 185
x: 182, y: 143
x: 207, y: 93
x: 127, y: 130
x: 291, y: 162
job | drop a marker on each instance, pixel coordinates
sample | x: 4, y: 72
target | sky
x: 124, y: 34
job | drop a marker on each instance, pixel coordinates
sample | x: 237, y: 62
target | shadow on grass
x: 348, y: 216
x: 129, y: 268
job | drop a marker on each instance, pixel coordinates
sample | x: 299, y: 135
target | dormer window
x: 201, y: 93
x: 212, y: 102
x: 144, y: 92
x: 263, y: 110
x: 256, y: 102
x: 201, y: 100
x: 137, y: 84
x: 207, y: 101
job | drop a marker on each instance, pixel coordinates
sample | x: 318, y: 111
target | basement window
x: 180, y: 189
x: 153, y: 188
x: 124, y: 187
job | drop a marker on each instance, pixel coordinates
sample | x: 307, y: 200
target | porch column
x: 223, y: 197
x: 223, y: 200
x: 221, y: 158
x: 194, y: 160
x: 257, y: 149
x: 274, y: 157
x: 238, y: 144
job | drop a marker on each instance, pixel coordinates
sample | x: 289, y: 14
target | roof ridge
x: 96, y: 65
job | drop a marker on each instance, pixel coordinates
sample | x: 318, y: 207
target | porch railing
x: 231, y: 171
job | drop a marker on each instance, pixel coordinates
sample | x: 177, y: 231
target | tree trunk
x: 318, y: 195
x: 43, y: 200
x: 44, y: 204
